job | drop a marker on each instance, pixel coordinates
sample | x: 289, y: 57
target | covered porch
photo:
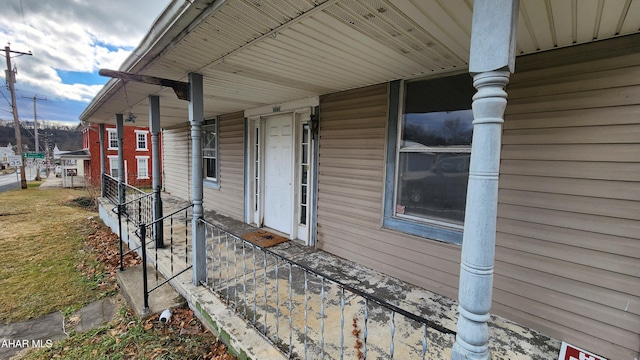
x: 334, y: 75
x: 292, y: 301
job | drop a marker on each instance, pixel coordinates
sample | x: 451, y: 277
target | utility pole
x: 35, y: 127
x: 46, y: 152
x: 11, y: 79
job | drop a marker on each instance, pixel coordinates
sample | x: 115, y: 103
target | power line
x: 26, y: 32
x: 5, y: 97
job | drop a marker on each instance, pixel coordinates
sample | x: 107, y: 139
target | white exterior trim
x: 113, y: 160
x: 109, y: 132
x: 138, y: 158
x: 289, y: 106
x: 299, y: 111
x: 146, y: 139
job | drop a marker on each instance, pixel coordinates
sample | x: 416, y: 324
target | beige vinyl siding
x: 351, y: 169
x: 568, y: 241
x: 176, y: 161
x: 228, y: 199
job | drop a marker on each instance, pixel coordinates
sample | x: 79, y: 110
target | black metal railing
x: 110, y: 188
x: 176, y: 252
x: 292, y: 305
x: 132, y: 213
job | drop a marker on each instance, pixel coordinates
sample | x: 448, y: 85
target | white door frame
x: 300, y: 112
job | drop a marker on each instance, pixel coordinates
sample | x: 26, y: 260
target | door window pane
x: 210, y: 150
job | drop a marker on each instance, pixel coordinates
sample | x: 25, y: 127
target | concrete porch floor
x: 273, y: 296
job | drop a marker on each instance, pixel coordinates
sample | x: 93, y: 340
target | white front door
x: 278, y: 173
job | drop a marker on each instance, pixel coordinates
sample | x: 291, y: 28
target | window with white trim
x: 430, y: 150
x: 113, y: 166
x: 305, y: 164
x: 143, y: 167
x: 141, y: 140
x: 113, y: 138
x: 210, y: 150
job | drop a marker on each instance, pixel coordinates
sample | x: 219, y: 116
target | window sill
x: 210, y: 184
x: 141, y: 149
x: 144, y: 178
x: 112, y: 148
x: 428, y: 231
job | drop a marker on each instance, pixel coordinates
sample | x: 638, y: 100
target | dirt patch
x: 85, y: 202
x: 12, y: 214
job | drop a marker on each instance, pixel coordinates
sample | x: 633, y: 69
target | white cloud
x: 72, y: 35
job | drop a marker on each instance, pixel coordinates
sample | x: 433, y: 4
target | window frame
x: 211, y: 181
x: 430, y: 229
x: 146, y: 160
x: 112, y: 135
x: 146, y: 140
x: 113, y: 160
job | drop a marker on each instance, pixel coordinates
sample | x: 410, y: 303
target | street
x: 8, y: 182
x: 12, y: 181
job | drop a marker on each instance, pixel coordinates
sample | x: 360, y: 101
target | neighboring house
x: 5, y: 152
x: 347, y: 124
x: 137, y: 155
x: 72, y: 167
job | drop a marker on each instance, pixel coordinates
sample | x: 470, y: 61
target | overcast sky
x: 70, y: 40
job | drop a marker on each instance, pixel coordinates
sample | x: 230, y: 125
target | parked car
x: 443, y: 187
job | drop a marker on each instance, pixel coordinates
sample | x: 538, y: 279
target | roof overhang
x: 76, y: 154
x: 259, y: 53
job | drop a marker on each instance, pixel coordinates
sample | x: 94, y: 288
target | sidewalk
x: 41, y: 332
x: 51, y: 182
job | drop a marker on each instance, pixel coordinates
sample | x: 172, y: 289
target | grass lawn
x: 128, y: 337
x: 42, y: 235
x: 57, y: 257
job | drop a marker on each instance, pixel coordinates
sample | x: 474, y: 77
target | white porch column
x: 492, y: 59
x: 120, y: 134
x: 154, y: 127
x: 103, y: 165
x: 196, y: 117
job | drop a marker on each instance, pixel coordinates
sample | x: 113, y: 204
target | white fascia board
x: 283, y: 107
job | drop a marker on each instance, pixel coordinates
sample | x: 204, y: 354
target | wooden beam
x: 179, y: 87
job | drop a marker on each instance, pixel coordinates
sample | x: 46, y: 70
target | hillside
x: 67, y: 138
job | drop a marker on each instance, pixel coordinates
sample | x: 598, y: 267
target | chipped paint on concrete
x: 247, y: 287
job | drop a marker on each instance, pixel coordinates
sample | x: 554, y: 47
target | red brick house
x: 137, y: 156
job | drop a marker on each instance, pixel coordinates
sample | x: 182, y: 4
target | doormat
x: 264, y: 238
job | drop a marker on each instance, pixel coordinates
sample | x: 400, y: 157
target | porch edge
x: 241, y: 339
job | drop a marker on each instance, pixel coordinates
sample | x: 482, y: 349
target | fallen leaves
x: 104, y: 247
x: 183, y: 336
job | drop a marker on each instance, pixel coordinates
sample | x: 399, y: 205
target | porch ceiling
x: 256, y: 52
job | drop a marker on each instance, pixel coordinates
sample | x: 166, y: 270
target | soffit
x: 254, y: 53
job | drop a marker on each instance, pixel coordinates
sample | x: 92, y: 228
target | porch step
x: 165, y: 297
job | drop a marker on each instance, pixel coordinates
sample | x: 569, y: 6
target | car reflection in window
x: 441, y: 190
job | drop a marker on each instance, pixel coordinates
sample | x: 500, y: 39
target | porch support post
x: 492, y: 59
x: 154, y: 127
x: 120, y: 134
x: 196, y: 118
x: 103, y: 165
